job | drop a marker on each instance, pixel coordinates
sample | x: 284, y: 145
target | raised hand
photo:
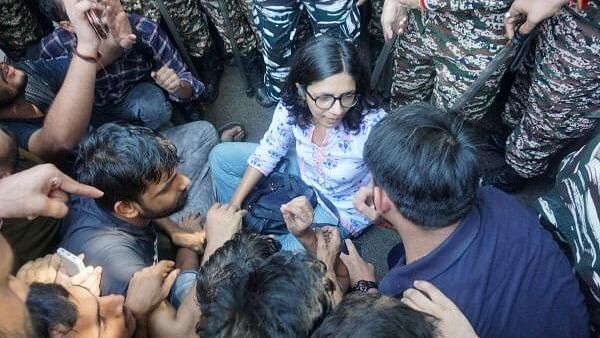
x: 298, y: 215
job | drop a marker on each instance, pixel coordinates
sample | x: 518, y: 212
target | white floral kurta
x: 336, y: 169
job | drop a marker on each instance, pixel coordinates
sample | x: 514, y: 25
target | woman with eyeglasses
x: 321, y: 124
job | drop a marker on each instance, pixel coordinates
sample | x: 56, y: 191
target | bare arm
x: 249, y: 180
x: 165, y: 321
x: 70, y: 112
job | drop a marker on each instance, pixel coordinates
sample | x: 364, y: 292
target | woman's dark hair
x: 320, y: 58
x: 49, y: 306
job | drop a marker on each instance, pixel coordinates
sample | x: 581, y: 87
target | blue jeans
x: 145, y: 103
x: 183, y: 284
x: 228, y: 162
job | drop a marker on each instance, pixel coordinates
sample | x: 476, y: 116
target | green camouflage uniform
x: 374, y: 27
x: 188, y: 17
x: 443, y: 51
x: 19, y: 28
x: 240, y: 16
x: 558, y: 85
x: 277, y: 23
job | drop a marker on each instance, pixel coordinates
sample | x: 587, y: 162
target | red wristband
x: 423, y: 5
x: 90, y: 59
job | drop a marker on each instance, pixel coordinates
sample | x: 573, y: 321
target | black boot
x: 255, y: 69
x: 505, y: 178
x: 210, y: 67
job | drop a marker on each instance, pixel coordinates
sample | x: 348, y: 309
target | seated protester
x: 375, y: 315
x: 326, y: 113
x: 144, y: 177
x: 244, y: 251
x: 48, y: 129
x: 479, y: 246
x: 286, y: 295
x: 131, y: 88
x: 571, y: 212
x: 46, y: 114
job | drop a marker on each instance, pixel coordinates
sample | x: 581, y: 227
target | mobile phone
x: 72, y: 263
x: 99, y: 27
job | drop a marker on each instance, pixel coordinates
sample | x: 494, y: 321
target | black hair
x: 49, y: 305
x: 245, y: 251
x: 13, y: 152
x: 286, y: 296
x: 52, y: 11
x: 427, y: 164
x: 321, y: 57
x: 377, y: 316
x: 122, y: 160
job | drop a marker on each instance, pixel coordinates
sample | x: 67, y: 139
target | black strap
x: 381, y: 61
x: 175, y: 34
x: 237, y: 55
x: 516, y: 50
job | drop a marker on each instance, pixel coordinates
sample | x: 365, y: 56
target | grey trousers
x: 194, y: 141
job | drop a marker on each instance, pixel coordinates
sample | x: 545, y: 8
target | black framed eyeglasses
x: 326, y: 101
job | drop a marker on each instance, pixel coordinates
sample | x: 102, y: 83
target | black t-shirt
x: 118, y: 247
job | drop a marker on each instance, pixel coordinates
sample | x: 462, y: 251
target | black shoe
x: 255, y: 70
x: 210, y: 67
x: 263, y: 98
x: 505, y: 178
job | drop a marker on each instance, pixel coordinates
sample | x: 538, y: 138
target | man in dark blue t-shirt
x: 479, y: 246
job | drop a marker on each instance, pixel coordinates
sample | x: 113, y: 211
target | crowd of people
x: 158, y: 212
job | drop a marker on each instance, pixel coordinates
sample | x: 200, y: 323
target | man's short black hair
x: 244, y: 252
x: 427, y: 164
x: 286, y: 296
x: 52, y: 11
x: 122, y: 160
x: 49, y: 306
x: 375, y: 315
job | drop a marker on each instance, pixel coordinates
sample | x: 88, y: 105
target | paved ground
x: 234, y: 105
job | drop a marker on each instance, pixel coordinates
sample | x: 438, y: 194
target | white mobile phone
x: 72, y: 263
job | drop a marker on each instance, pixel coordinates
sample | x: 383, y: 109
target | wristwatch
x: 364, y: 286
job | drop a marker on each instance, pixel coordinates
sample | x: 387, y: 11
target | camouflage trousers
x: 240, y: 16
x: 374, y: 27
x: 19, y: 28
x: 554, y: 91
x: 277, y: 23
x: 442, y: 53
x: 189, y: 19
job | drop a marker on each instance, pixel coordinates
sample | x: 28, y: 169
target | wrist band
x: 90, y: 59
x: 423, y: 5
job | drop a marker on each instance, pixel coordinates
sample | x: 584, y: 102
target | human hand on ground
x: 533, y: 11
x: 425, y: 297
x: 40, y: 191
x: 394, y: 18
x: 150, y: 286
x: 328, y: 246
x: 298, y: 215
x: 358, y: 268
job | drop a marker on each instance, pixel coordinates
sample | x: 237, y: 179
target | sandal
x: 238, y: 137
